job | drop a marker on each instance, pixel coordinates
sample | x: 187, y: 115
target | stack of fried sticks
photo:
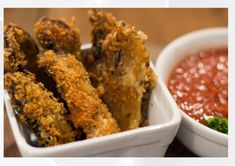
x: 61, y: 94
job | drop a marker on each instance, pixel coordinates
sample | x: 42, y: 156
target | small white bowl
x: 200, y: 139
x: 152, y: 140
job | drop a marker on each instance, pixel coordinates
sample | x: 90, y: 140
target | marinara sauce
x: 199, y: 84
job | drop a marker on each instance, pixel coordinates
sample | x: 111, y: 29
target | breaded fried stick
x: 57, y: 35
x: 87, y: 110
x: 102, y: 25
x: 19, y: 47
x: 38, y: 109
x: 126, y: 74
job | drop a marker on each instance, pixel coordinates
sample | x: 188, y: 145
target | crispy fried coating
x: 102, y: 25
x: 19, y: 48
x: 20, y: 53
x: 150, y: 83
x: 126, y: 74
x: 38, y: 109
x: 87, y: 110
x: 57, y: 35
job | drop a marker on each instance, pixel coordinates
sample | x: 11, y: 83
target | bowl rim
x: 22, y: 143
x: 198, y: 128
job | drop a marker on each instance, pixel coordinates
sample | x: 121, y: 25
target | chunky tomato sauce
x: 199, y: 84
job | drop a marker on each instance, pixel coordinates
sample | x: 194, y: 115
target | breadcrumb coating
x: 102, y: 25
x: 57, y: 35
x: 87, y: 110
x: 126, y: 74
x: 150, y: 83
x: 38, y: 109
x: 19, y: 47
x: 20, y: 53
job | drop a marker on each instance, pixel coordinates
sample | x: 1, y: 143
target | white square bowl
x: 151, y: 141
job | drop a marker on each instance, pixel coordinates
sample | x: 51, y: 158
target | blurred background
x: 161, y: 25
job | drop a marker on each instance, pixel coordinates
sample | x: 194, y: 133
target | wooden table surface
x: 161, y: 26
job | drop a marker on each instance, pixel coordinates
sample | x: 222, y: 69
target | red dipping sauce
x: 199, y: 84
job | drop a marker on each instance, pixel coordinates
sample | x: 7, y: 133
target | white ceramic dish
x: 152, y: 140
x: 198, y: 138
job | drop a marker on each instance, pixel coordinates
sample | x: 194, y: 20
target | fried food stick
x: 19, y: 48
x: 57, y: 35
x: 102, y: 24
x: 37, y: 109
x: 87, y: 110
x: 126, y: 74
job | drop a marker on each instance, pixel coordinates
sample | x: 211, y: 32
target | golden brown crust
x: 19, y: 48
x: 113, y: 44
x: 57, y: 35
x: 102, y: 24
x: 125, y: 74
x: 20, y: 53
x: 150, y: 83
x: 38, y: 109
x: 87, y: 110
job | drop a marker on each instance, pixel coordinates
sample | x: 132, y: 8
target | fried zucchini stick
x: 57, y: 35
x: 19, y: 48
x: 38, y: 109
x: 87, y: 110
x: 102, y: 24
x: 126, y: 74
